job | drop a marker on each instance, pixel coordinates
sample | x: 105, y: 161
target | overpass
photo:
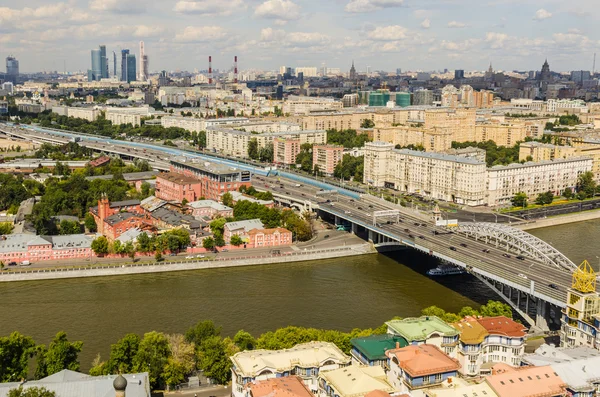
x: 528, y: 273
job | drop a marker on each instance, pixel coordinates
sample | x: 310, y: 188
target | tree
x: 129, y: 249
x: 182, y: 360
x: 122, y: 354
x: 31, y: 392
x: 544, y: 198
x: 227, y: 199
x: 244, y: 340
x: 61, y: 354
x: 519, y: 200
x: 253, y: 149
x: 214, y: 360
x: 586, y: 184
x: 219, y: 241
x: 495, y: 308
x: 100, y: 246
x: 184, y: 202
x: 158, y: 256
x: 201, y: 331
x: 90, y: 222
x: 208, y: 243
x: 144, y: 242
x: 568, y: 193
x: 236, y: 240
x: 145, y: 189
x: 6, y: 228
x: 15, y: 352
x: 367, y: 123
x: 217, y: 226
x: 152, y: 356
x: 69, y: 227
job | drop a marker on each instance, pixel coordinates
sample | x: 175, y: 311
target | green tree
x: 31, y: 392
x: 495, y: 308
x: 265, y: 154
x: 244, y: 340
x: 201, y: 331
x: 586, y: 184
x: 367, y: 123
x: 568, y: 193
x: 214, y: 361
x: 217, y: 226
x: 253, y: 149
x: 236, y: 240
x: 152, y: 356
x: 305, y: 158
x: 100, y: 246
x: 144, y: 243
x: 184, y: 202
x: 69, y: 227
x: 227, y: 199
x: 60, y: 354
x: 122, y: 354
x: 182, y: 360
x: 145, y: 189
x: 15, y: 352
x: 158, y: 256
x: 544, y: 198
x: 219, y: 241
x: 208, y: 243
x: 519, y: 200
x: 90, y: 222
x: 6, y: 228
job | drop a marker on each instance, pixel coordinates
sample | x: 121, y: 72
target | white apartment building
x: 89, y: 114
x: 354, y: 381
x: 307, y: 71
x: 131, y: 116
x: 557, y: 105
x: 306, y: 104
x: 305, y: 360
x: 187, y: 123
x: 489, y: 340
x: 434, y: 175
x: 533, y: 178
x: 235, y: 143
x: 529, y: 104
x: 266, y: 126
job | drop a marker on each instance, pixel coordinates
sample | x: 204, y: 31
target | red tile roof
x: 502, y: 325
x: 291, y: 386
x: 507, y: 381
x: 420, y: 360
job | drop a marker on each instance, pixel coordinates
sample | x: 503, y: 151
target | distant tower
x: 12, y: 69
x: 124, y: 54
x: 142, y: 77
x: 352, y: 75
x: 114, y: 64
x: 545, y: 73
x: 235, y: 70
x: 490, y: 72
x: 210, y: 76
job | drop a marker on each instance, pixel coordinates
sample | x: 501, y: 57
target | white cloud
x: 541, y: 14
x: 201, y: 34
x: 45, y: 16
x: 496, y: 40
x: 357, y: 6
x: 292, y: 39
x: 456, y: 25
x: 147, y: 31
x: 281, y: 10
x: 388, y: 33
x: 426, y: 24
x: 119, y: 6
x: 209, y: 7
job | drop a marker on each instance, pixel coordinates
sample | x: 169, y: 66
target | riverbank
x: 560, y: 220
x: 173, y: 266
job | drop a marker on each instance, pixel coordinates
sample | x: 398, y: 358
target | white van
x: 25, y: 263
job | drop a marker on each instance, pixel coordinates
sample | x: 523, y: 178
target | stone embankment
x: 560, y: 220
x: 50, y: 273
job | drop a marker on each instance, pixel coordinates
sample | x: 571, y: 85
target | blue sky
x: 265, y: 34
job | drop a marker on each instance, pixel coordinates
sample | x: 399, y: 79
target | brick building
x: 269, y: 237
x: 326, y: 157
x: 172, y: 186
x: 285, y: 150
x: 114, y: 219
x: 26, y: 247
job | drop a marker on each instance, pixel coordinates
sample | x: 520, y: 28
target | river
x: 339, y: 294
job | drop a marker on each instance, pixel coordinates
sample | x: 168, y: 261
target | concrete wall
x: 560, y: 220
x: 138, y: 268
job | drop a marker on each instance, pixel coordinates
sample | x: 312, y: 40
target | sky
x: 266, y: 34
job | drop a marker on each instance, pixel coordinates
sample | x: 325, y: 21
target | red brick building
x: 215, y: 179
x: 114, y: 219
x: 172, y: 186
x: 269, y: 237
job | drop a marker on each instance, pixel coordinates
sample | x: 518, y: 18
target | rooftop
x: 125, y: 203
x: 580, y: 374
x: 471, y: 332
x: 420, y: 328
x: 152, y: 203
x: 121, y: 216
x: 357, y: 381
x: 374, y: 347
x: 539, y: 163
x: 251, y: 363
x: 177, y: 178
x: 421, y: 360
x: 246, y: 225
x: 238, y: 196
x: 206, y: 166
x: 289, y: 386
x: 504, y: 326
x: 507, y: 381
x: 550, y: 354
x: 458, y: 389
x: 209, y: 204
x: 174, y: 218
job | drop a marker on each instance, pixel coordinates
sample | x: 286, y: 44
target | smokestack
x: 235, y: 70
x: 210, y: 76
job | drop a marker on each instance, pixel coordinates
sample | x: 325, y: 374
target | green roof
x: 420, y: 328
x: 374, y: 347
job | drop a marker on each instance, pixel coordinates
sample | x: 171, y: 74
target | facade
x: 131, y: 67
x: 89, y: 114
x: 501, y: 134
x: 187, y: 123
x: 131, y: 116
x: 290, y: 386
x: 27, y: 247
x: 434, y: 175
x: 489, y: 340
x: 543, y: 381
x: 354, y: 381
x: 114, y: 219
x: 12, y: 69
x: 426, y: 330
x: 370, y: 350
x: 269, y: 237
x: 124, y: 54
x: 504, y: 181
x: 285, y: 151
x: 419, y: 366
x: 307, y: 104
x: 326, y: 157
x: 432, y: 140
x: 232, y: 142
x: 172, y: 186
x: 209, y: 209
x: 241, y: 228
x: 305, y: 360
x: 536, y: 151
x: 215, y: 179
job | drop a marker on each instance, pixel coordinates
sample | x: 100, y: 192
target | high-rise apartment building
x: 124, y: 54
x: 459, y: 74
x: 99, y: 68
x: 131, y: 68
x: 12, y: 69
x: 422, y: 97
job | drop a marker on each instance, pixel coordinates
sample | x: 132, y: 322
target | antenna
x: 210, y: 77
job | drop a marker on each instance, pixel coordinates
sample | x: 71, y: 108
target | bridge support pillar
x: 336, y: 219
x: 354, y: 228
x: 542, y: 314
x: 371, y: 235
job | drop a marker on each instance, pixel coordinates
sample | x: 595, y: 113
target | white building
x: 557, y: 105
x: 434, y: 175
x: 306, y: 360
x: 533, y: 178
x: 354, y: 381
x: 307, y: 71
x: 187, y: 123
x: 306, y: 104
x: 131, y: 116
x: 266, y: 126
x: 89, y: 114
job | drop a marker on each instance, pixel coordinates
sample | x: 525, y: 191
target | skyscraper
x: 352, y: 74
x: 142, y: 65
x: 545, y: 73
x: 459, y: 74
x: 124, y: 54
x: 103, y: 63
x: 12, y: 69
x: 131, y: 66
x: 99, y: 68
x: 114, y: 64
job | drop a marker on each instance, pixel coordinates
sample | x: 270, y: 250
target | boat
x: 445, y: 270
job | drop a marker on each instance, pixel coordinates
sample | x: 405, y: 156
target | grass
x: 553, y: 204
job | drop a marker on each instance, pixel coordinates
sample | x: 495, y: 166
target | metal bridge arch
x: 519, y: 240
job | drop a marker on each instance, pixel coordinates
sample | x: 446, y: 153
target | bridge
x: 529, y: 274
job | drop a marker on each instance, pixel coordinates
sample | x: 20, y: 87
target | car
x: 224, y: 250
x: 453, y: 248
x: 485, y: 250
x: 331, y: 204
x: 297, y: 185
x: 389, y: 222
x: 463, y: 245
x: 326, y: 236
x: 370, y: 206
x: 359, y: 208
x: 267, y: 186
x: 520, y: 257
x: 399, y: 220
x: 189, y: 257
x: 172, y: 254
x: 347, y: 212
x: 12, y: 263
x: 328, y: 201
x: 506, y: 255
x: 351, y: 200
x: 407, y: 230
x: 553, y: 286
x: 422, y: 237
x: 436, y: 232
x: 200, y: 256
x: 411, y: 236
x: 417, y: 223
x: 522, y: 276
x: 302, y: 194
x: 422, y: 224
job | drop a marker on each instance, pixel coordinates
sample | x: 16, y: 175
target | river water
x: 339, y: 294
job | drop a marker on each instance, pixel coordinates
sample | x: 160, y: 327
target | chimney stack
x: 210, y: 76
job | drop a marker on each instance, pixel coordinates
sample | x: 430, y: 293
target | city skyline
x: 382, y: 34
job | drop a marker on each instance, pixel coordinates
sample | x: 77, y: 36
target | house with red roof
x: 507, y: 381
x: 289, y: 386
